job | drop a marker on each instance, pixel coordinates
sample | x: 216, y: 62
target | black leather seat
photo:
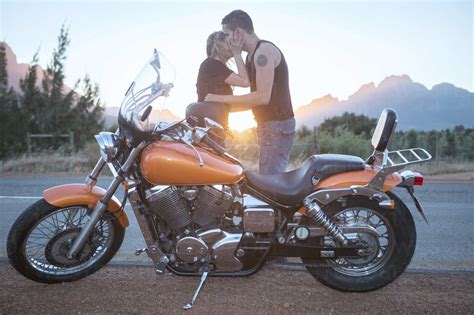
x: 291, y: 187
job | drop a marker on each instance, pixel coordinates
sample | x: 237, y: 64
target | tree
x: 32, y: 105
x: 357, y: 124
x: 86, y: 116
x: 448, y: 148
x: 411, y: 139
x: 11, y: 125
x: 303, y: 132
x: 58, y: 105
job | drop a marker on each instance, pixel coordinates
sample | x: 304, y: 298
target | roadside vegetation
x: 48, y: 108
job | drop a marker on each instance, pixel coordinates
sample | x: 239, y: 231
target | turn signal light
x: 418, y: 180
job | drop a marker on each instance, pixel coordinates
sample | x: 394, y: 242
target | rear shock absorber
x: 319, y: 217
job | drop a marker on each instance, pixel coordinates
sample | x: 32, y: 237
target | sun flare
x: 241, y: 121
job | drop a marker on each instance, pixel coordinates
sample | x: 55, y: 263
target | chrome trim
x: 345, y: 229
x: 211, y: 236
x: 160, y: 260
x: 91, y: 179
x: 320, y: 218
x: 201, y: 282
x: 259, y: 220
x: 326, y: 196
x: 410, y: 156
x: 99, y: 210
x: 132, y: 156
x: 408, y: 178
x: 108, y: 144
x: 191, y: 249
x: 223, y: 253
x: 386, y: 204
x: 327, y: 253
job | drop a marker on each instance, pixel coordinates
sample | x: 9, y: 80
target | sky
x: 330, y: 47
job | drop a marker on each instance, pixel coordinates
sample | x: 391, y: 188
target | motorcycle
x: 201, y: 214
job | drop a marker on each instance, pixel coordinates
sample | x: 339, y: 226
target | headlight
x: 108, y: 143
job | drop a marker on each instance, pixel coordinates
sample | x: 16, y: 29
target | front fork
x: 102, y: 204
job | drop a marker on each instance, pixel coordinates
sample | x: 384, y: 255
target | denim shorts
x: 275, y: 140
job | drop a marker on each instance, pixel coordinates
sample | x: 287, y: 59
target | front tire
x: 386, y: 263
x: 41, y: 236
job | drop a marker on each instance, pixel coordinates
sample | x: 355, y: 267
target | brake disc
x: 57, y: 248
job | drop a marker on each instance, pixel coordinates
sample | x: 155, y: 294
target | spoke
x: 56, y: 221
x: 45, y: 227
x: 40, y: 235
x: 82, y: 216
x: 34, y: 243
x: 35, y: 252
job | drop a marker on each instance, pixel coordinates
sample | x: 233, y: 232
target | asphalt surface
x: 443, y: 245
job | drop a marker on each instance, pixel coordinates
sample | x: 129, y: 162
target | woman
x: 216, y: 78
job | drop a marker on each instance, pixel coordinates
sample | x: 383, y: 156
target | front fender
x: 82, y: 194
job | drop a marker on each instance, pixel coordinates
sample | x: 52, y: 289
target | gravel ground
x: 122, y: 289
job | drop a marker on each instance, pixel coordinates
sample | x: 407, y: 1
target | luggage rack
x: 396, y: 160
x: 401, y: 158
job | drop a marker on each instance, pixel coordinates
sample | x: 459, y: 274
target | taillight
x: 418, y: 180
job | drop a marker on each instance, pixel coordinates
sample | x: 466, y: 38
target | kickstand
x: 205, y: 272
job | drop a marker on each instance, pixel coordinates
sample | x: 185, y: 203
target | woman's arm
x: 241, y: 78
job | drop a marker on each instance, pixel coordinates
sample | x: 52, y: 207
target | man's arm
x: 265, y: 60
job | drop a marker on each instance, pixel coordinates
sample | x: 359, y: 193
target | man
x: 269, y: 99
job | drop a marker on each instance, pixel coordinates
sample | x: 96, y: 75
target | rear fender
x: 82, y: 194
x: 355, y: 178
x: 358, y: 178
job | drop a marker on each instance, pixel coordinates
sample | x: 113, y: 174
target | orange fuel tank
x: 173, y: 163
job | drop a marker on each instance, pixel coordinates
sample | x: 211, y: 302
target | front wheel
x: 43, y: 234
x: 387, y: 254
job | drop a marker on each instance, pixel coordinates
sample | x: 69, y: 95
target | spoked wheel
x: 387, y: 251
x: 41, y: 237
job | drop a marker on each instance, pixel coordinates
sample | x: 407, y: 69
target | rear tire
x: 48, y: 263
x: 399, y: 252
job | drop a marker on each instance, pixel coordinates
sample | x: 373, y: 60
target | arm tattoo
x: 262, y: 60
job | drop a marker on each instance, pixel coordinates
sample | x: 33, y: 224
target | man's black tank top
x: 279, y: 107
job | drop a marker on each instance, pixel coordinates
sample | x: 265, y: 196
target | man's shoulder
x: 269, y: 50
x: 268, y: 47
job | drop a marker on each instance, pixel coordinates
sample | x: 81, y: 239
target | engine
x: 201, y: 233
x: 179, y: 207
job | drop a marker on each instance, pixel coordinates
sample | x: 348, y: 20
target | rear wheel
x: 388, y: 252
x: 43, y: 234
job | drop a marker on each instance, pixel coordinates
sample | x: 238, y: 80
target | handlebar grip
x: 214, y: 145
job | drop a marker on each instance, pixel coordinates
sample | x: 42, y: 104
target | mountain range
x: 442, y: 106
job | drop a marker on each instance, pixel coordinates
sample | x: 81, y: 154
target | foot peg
x: 205, y: 272
x: 161, y: 265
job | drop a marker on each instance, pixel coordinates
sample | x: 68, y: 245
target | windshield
x: 151, y: 86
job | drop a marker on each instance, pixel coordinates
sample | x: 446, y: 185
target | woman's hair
x: 213, y: 48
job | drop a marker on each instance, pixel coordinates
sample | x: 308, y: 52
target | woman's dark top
x: 211, y: 79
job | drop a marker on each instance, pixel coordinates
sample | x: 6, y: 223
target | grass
x: 42, y: 163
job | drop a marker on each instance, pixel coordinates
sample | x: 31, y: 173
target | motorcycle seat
x: 292, y: 187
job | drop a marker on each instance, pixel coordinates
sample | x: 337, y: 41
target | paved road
x: 445, y: 244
